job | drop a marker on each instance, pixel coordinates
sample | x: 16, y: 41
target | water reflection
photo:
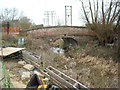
x: 57, y: 50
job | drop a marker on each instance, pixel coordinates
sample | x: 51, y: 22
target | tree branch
x: 91, y: 12
x: 117, y: 24
x: 96, y: 16
x: 85, y: 13
x: 111, y: 20
x: 103, y: 14
x: 110, y: 8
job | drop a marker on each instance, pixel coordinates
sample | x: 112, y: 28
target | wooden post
x: 1, y: 63
x: 8, y: 25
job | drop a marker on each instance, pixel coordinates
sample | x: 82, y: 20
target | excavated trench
x: 90, y: 70
x: 93, y: 71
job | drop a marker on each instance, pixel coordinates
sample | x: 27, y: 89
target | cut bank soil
x: 92, y: 65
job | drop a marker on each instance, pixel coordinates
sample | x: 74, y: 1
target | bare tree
x: 15, y: 18
x: 102, y: 23
x: 117, y: 28
x: 10, y: 14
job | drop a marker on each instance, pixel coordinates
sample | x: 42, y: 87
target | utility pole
x: 68, y: 15
x: 47, y: 17
x: 65, y: 16
x: 52, y: 17
x: 8, y: 25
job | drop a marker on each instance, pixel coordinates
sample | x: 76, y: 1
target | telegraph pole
x: 68, y: 15
x: 8, y: 25
x: 52, y: 17
x: 71, y: 15
x: 65, y: 16
x: 49, y: 17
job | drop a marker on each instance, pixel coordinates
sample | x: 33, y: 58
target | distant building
x: 8, y: 29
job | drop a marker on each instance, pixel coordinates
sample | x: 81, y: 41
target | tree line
x: 103, y: 17
x: 15, y: 18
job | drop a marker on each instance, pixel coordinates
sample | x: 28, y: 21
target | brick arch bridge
x: 56, y: 31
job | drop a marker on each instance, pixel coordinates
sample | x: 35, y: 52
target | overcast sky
x: 35, y: 9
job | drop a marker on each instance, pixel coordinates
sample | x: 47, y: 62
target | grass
x: 61, y: 43
x: 104, y: 51
x: 11, y: 40
x: 81, y: 47
x: 6, y: 82
x: 93, y: 48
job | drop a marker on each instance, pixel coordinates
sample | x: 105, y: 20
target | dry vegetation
x: 93, y: 65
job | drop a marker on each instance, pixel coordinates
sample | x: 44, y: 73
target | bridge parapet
x: 54, y: 31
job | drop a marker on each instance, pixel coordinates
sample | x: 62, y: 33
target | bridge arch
x: 69, y: 43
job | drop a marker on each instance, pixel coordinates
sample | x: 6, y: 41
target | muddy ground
x: 93, y: 65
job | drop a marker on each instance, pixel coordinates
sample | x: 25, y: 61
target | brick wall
x: 61, y: 30
x: 12, y: 30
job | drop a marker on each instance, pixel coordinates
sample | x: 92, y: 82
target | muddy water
x: 57, y: 50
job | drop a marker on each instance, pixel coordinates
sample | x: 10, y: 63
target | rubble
x: 28, y: 67
x: 21, y: 71
x: 21, y: 62
x: 18, y: 84
x: 72, y: 64
x: 25, y: 75
x: 38, y: 73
